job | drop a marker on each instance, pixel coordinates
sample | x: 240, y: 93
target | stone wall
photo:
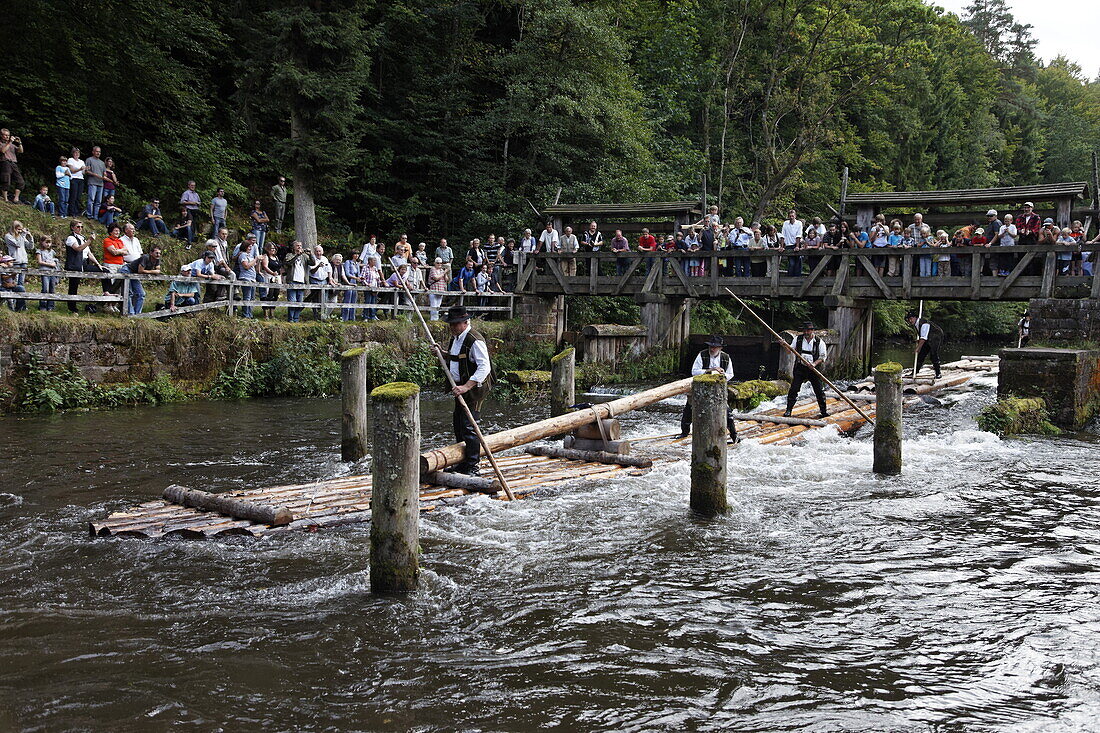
x: 1067, y: 379
x: 1062, y: 319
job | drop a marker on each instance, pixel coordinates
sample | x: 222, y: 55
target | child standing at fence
x: 46, y: 260
x: 923, y: 242
x: 942, y: 265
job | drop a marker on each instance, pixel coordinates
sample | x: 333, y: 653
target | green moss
x: 890, y: 367
x: 395, y: 391
x: 351, y: 353
x: 1017, y: 416
x: 747, y: 395
x: 563, y: 355
x: 528, y: 377
x: 710, y: 378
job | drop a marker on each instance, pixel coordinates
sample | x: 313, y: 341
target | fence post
x: 888, y: 419
x: 230, y: 295
x: 709, y: 399
x: 353, y: 401
x: 124, y: 306
x: 395, y: 485
x: 562, y: 382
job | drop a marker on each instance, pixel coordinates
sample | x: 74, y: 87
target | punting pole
x: 451, y: 381
x: 920, y: 315
x: 798, y: 356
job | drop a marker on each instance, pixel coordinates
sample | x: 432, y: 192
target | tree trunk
x: 305, y: 214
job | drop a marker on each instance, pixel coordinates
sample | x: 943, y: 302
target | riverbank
x: 55, y: 361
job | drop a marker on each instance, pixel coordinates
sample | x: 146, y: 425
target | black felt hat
x: 457, y: 314
x: 808, y: 326
x: 714, y: 341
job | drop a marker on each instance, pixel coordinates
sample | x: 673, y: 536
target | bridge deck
x: 830, y: 275
x: 346, y: 500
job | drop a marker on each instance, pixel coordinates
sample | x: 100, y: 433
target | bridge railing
x: 947, y: 273
x: 329, y: 298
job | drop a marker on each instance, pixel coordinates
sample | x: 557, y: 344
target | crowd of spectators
x: 260, y: 268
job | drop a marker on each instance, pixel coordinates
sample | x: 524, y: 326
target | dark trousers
x: 800, y: 376
x: 464, y: 433
x: 685, y: 421
x: 930, y: 350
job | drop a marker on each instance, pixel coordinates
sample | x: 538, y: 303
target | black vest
x: 466, y: 365
x: 723, y: 359
x: 935, y: 333
x: 816, y: 347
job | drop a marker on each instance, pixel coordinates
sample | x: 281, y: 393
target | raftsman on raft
x: 346, y: 500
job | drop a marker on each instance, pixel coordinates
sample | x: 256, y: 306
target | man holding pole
x: 929, y: 340
x: 711, y: 360
x: 809, y: 349
x: 468, y: 362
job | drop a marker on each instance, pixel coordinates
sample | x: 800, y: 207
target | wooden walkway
x: 342, y: 501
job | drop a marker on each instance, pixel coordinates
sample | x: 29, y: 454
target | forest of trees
x: 442, y: 117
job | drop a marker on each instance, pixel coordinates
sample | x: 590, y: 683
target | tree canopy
x: 446, y: 117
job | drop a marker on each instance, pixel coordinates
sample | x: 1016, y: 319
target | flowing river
x: 961, y: 595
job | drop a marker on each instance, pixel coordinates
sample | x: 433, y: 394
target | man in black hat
x: 810, y: 350
x: 929, y: 341
x: 711, y: 360
x: 468, y: 359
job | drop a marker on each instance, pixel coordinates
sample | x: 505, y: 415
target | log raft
x: 346, y: 500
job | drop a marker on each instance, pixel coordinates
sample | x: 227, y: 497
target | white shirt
x: 527, y: 244
x: 133, y: 249
x: 923, y: 332
x: 323, y: 271
x: 77, y: 240
x: 715, y: 363
x: 478, y: 353
x: 76, y: 168
x: 792, y: 232
x: 807, y: 349
x: 368, y: 253
x: 549, y: 240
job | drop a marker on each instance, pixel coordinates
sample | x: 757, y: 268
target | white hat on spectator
x: 1029, y: 204
x: 185, y: 268
x: 991, y: 212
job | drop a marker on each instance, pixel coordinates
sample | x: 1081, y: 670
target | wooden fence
x: 329, y: 299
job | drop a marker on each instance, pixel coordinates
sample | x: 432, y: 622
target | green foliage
x: 1017, y: 416
x: 588, y: 310
x: 297, y: 368
x: 43, y: 388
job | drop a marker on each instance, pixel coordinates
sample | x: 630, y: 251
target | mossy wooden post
x: 888, y: 418
x: 708, y: 444
x: 395, y: 488
x: 353, y: 399
x: 562, y: 382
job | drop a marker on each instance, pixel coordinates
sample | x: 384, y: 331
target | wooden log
x: 612, y: 429
x: 563, y: 382
x: 709, y: 400
x: 353, y: 402
x: 395, y: 489
x: 860, y: 397
x: 440, y: 458
x: 779, y: 419
x: 622, y: 447
x: 597, y: 456
x: 480, y: 484
x: 972, y: 358
x: 227, y: 505
x: 888, y: 419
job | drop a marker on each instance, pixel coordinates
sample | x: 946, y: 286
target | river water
x: 961, y: 595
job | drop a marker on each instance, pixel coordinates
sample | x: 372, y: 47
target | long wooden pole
x: 916, y: 355
x: 451, y: 381
x: 439, y: 458
x: 798, y: 357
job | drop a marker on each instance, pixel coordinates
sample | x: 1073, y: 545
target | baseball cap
x: 991, y: 212
x: 1028, y: 203
x: 1048, y: 220
x: 185, y: 269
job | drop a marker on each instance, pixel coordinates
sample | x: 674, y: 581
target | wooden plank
x: 1050, y: 271
x: 773, y: 285
x: 555, y: 270
x: 822, y: 262
x: 1016, y: 272
x: 840, y: 282
x: 165, y: 312
x: 907, y: 276
x: 5, y: 295
x: 875, y: 277
x: 977, y: 262
x: 626, y: 276
x: 683, y: 279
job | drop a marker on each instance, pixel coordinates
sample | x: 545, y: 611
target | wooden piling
x: 353, y: 399
x: 888, y: 402
x: 395, y: 485
x: 562, y: 382
x: 708, y: 445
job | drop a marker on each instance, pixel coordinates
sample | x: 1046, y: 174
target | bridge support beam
x: 667, y: 320
x: 544, y: 317
x: 853, y: 322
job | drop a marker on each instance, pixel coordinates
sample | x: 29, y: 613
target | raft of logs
x: 343, y: 501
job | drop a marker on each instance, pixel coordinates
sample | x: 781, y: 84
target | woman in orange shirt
x: 113, y: 250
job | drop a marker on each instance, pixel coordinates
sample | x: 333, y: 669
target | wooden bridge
x: 831, y: 276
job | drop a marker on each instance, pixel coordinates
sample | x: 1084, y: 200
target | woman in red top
x: 113, y: 250
x: 647, y: 243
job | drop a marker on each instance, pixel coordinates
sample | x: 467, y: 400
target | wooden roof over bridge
x: 962, y: 197
x: 655, y: 208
